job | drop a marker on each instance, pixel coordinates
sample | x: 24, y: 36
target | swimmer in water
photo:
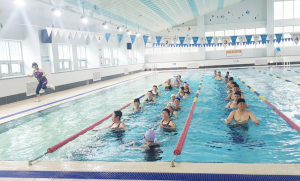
x: 233, y: 104
x: 219, y: 76
x: 229, y: 85
x: 226, y: 79
x: 40, y: 75
x: 137, y: 105
x: 235, y: 89
x: 149, y: 138
x: 173, y: 96
x: 154, y: 91
x: 176, y: 82
x: 215, y: 73
x: 177, y: 106
x: 231, y: 88
x: 241, y: 115
x: 179, y: 78
x: 187, y: 89
x: 181, y: 93
x: 166, y: 123
x: 172, y: 112
x: 150, y: 98
x: 168, y: 85
x: 117, y: 125
x: 227, y: 74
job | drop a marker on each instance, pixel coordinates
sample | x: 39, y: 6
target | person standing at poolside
x: 154, y: 91
x: 241, y: 115
x: 40, y: 75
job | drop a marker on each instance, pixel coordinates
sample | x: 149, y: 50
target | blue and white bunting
x: 132, y: 38
x: 120, y: 36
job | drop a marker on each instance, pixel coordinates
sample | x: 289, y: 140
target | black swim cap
x: 118, y: 114
x: 167, y: 110
x: 241, y: 100
x: 182, y: 88
x: 34, y: 63
x: 231, y: 78
x: 228, y: 72
x: 226, y: 77
x: 236, y: 85
x: 238, y: 93
x: 219, y: 72
x: 136, y: 100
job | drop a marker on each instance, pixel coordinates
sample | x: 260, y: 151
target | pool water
x: 209, y: 139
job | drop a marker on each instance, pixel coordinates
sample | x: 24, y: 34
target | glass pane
x: 278, y: 10
x: 116, y: 61
x: 60, y: 52
x: 78, y: 53
x: 83, y: 63
x: 250, y: 31
x: 106, y: 62
x: 175, y: 49
x: 149, y: 50
x: 288, y: 29
x: 260, y: 30
x: 60, y: 65
x: 219, y: 33
x: 288, y: 10
x: 209, y: 48
x: 4, y: 68
x: 157, y: 50
x: 66, y: 50
x: 184, y: 49
x: 15, y: 51
x: 220, y: 47
x: 296, y: 9
x: 67, y: 64
x: 79, y: 65
x: 260, y: 45
x: 209, y: 33
x: 240, y: 32
x: 3, y: 50
x: 278, y: 29
x: 115, y: 53
x: 193, y: 49
x: 135, y: 54
x: 16, y: 68
x: 296, y: 28
x: 167, y: 50
x: 229, y: 32
x: 83, y: 54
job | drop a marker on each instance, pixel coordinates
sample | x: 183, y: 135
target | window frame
x: 63, y: 60
x: 81, y: 59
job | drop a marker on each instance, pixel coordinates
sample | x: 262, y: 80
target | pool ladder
x: 173, y: 161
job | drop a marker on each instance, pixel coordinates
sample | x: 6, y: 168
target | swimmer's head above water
x: 149, y: 94
x: 154, y: 88
x: 136, y: 102
x: 116, y: 116
x: 150, y: 135
x: 241, y: 104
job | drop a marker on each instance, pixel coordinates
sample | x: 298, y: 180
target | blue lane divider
x: 37, y: 107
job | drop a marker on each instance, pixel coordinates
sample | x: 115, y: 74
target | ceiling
x: 145, y: 16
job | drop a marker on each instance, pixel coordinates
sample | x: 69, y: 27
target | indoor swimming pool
x: 209, y: 139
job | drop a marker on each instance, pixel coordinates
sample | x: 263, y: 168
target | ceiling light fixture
x: 137, y: 34
x: 20, y: 2
x: 105, y: 24
x: 128, y: 31
x: 83, y: 16
x: 56, y: 12
x: 119, y: 28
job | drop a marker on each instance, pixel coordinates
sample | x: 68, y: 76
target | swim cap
x: 219, y: 72
x: 236, y: 85
x: 241, y: 100
x: 34, y: 63
x: 178, y: 98
x: 136, y: 100
x: 226, y: 77
x: 182, y: 88
x: 173, y: 95
x: 169, y: 80
x: 167, y: 110
x: 150, y: 135
x: 231, y: 78
x: 186, y: 84
x: 228, y: 72
x: 238, y: 93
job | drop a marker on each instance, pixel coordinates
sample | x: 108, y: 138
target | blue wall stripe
x: 193, y: 7
x: 220, y: 4
x: 158, y: 11
x: 91, y: 7
x: 142, y: 176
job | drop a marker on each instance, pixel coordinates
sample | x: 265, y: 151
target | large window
x: 286, y: 31
x: 64, y: 54
x: 11, y: 61
x: 115, y: 57
x: 107, y: 56
x: 288, y: 9
x: 81, y: 55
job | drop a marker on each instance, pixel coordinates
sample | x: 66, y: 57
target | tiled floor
x: 153, y: 167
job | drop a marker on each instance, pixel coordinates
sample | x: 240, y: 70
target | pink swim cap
x: 150, y: 135
x: 169, y: 80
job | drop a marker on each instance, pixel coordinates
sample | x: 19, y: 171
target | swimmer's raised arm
x: 253, y: 118
x: 228, y: 97
x: 230, y: 117
x: 103, y: 128
x: 228, y: 105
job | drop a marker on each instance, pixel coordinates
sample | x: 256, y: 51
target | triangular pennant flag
x: 241, y: 39
x: 79, y: 33
x: 158, y: 39
x: 263, y: 39
x: 271, y: 38
x: 278, y: 37
x: 195, y: 40
x: 174, y: 40
x: 248, y: 38
x: 55, y: 30
x: 99, y: 37
x: 167, y: 40
x: 120, y: 36
x: 225, y: 40
x: 209, y: 40
x: 107, y: 35
x: 92, y: 34
x: 256, y: 38
x: 145, y: 39
x: 73, y: 33
x: 181, y: 39
x: 233, y: 40
x: 67, y: 33
x: 202, y: 40
x: 49, y: 30
x: 85, y: 35
x: 61, y: 32
x: 295, y: 37
x: 132, y: 38
x: 216, y: 39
